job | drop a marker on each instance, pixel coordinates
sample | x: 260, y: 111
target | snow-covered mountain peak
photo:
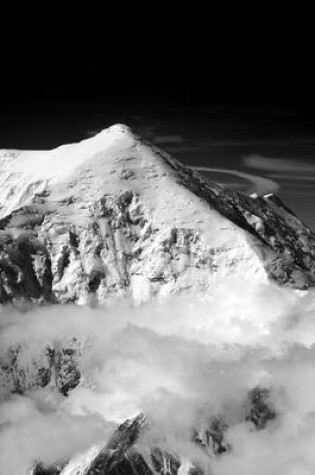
x: 25, y: 173
x: 117, y: 130
x: 113, y: 214
x: 101, y: 141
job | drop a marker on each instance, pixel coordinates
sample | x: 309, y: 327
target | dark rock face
x: 260, y: 411
x: 39, y: 469
x: 22, y: 368
x: 121, y: 456
x: 214, y: 437
x: 164, y: 462
x: 18, y: 276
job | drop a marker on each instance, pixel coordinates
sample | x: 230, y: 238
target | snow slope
x: 114, y: 215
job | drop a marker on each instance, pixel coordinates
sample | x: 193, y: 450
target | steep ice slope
x: 113, y: 215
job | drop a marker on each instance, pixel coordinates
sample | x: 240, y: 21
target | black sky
x: 157, y: 66
x: 71, y: 85
x: 223, y: 94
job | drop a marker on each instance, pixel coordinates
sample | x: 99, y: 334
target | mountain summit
x: 115, y: 215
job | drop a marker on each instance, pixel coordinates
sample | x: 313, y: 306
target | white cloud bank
x: 181, y: 361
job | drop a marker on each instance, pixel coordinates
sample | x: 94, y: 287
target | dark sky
x: 210, y: 102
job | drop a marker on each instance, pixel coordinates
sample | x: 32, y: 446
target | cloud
x: 259, y: 185
x: 180, y: 361
x: 294, y: 177
x: 29, y: 433
x: 278, y: 164
x: 168, y: 139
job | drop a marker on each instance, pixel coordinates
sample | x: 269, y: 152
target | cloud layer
x: 259, y: 185
x: 277, y: 165
x: 180, y: 361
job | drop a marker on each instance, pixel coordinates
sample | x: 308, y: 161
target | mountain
x: 127, y: 453
x: 114, y: 215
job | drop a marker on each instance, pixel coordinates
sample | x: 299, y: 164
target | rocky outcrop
x: 125, y: 453
x: 24, y: 367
